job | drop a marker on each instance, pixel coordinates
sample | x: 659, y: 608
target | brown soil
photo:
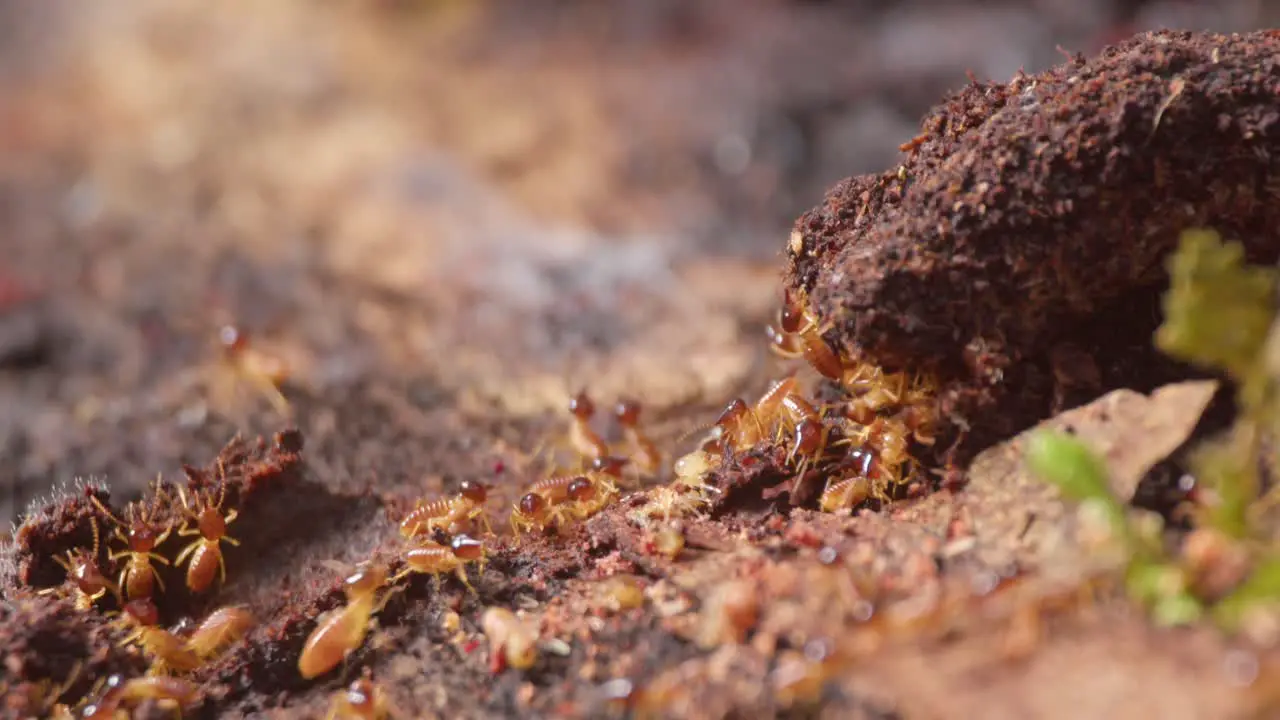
x: 446, y: 217
x: 1024, y: 237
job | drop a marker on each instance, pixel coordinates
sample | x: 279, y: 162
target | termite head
x: 609, y: 465
x: 361, y: 696
x: 467, y: 548
x: 83, y: 570
x: 144, y: 538
x: 140, y: 533
x: 473, y: 491
x: 142, y: 611
x: 695, y: 464
x: 732, y: 414
x: 207, y: 513
x: 533, y: 505
x: 581, y: 490
x: 82, y: 567
x: 232, y: 339
x: 581, y: 407
x: 366, y: 579
x: 791, y: 316
x: 808, y: 437
x: 530, y: 511
x: 864, y: 462
x: 627, y: 411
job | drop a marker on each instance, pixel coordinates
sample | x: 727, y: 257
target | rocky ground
x: 447, y: 217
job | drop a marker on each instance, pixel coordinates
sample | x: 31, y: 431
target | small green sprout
x: 1150, y: 579
x: 1077, y: 472
x: 1219, y: 314
x: 1229, y: 465
x: 1218, y: 310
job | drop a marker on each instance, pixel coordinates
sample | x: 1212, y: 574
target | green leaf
x: 1179, y: 609
x: 1218, y: 310
x: 1229, y: 466
x: 1068, y: 463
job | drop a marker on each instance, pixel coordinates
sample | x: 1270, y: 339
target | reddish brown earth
x: 447, y: 217
x: 1024, y: 237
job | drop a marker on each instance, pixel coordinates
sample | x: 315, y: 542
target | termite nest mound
x: 1019, y: 251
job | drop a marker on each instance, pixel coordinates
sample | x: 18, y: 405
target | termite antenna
x: 106, y: 511
x: 93, y: 523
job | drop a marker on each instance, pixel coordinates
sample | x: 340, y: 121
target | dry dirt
x: 448, y: 216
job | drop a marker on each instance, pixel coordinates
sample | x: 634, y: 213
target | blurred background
x: 440, y: 214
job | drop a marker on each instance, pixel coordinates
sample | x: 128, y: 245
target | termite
x: 171, y: 692
x: 889, y: 437
x: 533, y: 511
x: 586, y: 498
x: 669, y: 501
x: 608, y: 470
x: 849, y: 491
x: 808, y: 445
x: 220, y: 629
x: 141, y: 612
x: 442, y: 513
x: 542, y: 505
x: 168, y: 652
x: 691, y: 472
x: 434, y: 559
x: 361, y: 700
x: 645, y: 454
x: 793, y: 412
x: 584, y: 441
x: 140, y: 535
x: 264, y: 372
x: 778, y: 404
x: 739, y: 425
x: 795, y: 320
x: 512, y: 643
x: 206, y: 551
x: 340, y: 632
x: 84, y: 574
x: 845, y: 493
x: 872, y: 391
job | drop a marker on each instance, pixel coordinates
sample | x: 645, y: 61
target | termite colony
x: 444, y: 535
x: 561, y: 496
x: 438, y: 538
x: 859, y: 445
x: 123, y: 572
x: 596, y: 473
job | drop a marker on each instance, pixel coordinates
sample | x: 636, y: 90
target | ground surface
x: 447, y: 217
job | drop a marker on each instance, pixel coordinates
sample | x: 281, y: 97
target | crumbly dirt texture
x: 447, y: 217
x: 1020, y: 245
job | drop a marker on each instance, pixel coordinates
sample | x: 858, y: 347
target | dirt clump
x: 1020, y: 246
